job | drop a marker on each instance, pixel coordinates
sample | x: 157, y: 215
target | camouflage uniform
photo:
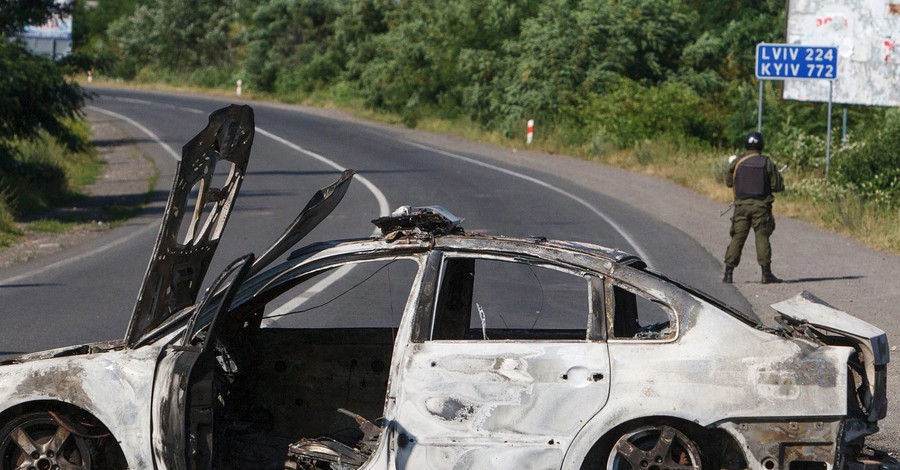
x: 754, y: 178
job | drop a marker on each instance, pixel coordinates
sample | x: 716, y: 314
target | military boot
x: 727, y: 278
x: 767, y: 276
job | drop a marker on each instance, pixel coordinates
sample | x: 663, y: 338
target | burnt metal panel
x: 177, y: 267
x: 805, y: 312
x: 187, y: 393
x: 421, y: 322
x: 787, y: 443
x: 316, y: 210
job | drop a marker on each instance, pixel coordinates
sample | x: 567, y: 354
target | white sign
x: 867, y: 35
x: 53, y: 38
x: 55, y: 28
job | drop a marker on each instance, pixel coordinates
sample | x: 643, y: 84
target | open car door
x: 184, y: 400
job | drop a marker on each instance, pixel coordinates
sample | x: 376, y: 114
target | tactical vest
x: 751, y: 181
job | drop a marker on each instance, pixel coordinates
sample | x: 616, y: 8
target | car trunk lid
x: 837, y: 327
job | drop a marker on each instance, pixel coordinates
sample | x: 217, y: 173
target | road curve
x: 497, y: 190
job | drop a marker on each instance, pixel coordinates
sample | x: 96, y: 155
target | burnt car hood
x: 196, y: 214
x: 806, y: 315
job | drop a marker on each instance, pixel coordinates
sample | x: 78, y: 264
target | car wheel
x: 37, y: 441
x: 654, y: 448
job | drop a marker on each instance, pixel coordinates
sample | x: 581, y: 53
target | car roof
x: 441, y: 224
x: 575, y: 254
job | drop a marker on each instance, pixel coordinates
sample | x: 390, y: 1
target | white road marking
x: 612, y: 223
x: 383, y: 209
x: 383, y: 206
x: 383, y: 202
x: 296, y: 302
x: 78, y: 257
x: 143, y: 129
x: 117, y: 241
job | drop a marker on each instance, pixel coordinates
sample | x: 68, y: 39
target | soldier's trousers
x: 747, y: 215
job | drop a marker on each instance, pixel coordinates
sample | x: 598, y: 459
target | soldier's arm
x: 775, y: 179
x: 729, y: 175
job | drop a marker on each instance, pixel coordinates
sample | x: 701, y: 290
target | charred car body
x: 431, y: 347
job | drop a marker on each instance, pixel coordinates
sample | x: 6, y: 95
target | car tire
x: 36, y: 440
x: 654, y: 447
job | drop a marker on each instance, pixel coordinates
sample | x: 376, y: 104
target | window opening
x: 491, y: 299
x: 637, y: 316
x: 365, y: 294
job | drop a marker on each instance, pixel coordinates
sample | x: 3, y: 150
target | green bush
x: 871, y: 167
x: 317, y: 73
x: 42, y: 172
x: 283, y: 37
x: 213, y: 77
x: 7, y: 222
x: 799, y: 150
x: 36, y: 96
x: 632, y: 113
x: 36, y: 180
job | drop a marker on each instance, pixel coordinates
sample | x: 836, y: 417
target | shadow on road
x: 20, y: 286
x: 821, y: 279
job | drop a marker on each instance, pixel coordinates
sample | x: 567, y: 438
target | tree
x: 572, y: 49
x: 291, y: 44
x: 432, y: 52
x: 34, y: 92
x: 871, y: 166
x: 91, y: 21
x: 177, y: 35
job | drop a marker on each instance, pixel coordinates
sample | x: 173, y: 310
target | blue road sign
x: 783, y: 62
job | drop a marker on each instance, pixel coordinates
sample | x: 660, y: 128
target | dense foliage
x: 15, y: 15
x: 599, y: 76
x: 35, y: 95
x: 872, y: 167
x: 38, y: 104
x: 579, y: 67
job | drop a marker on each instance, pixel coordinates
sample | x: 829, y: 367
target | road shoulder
x: 122, y: 188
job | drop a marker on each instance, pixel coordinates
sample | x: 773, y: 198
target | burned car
x: 430, y: 347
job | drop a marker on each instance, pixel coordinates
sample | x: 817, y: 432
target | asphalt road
x: 294, y: 154
x: 497, y: 190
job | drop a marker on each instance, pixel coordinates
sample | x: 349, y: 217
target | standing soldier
x: 754, y: 178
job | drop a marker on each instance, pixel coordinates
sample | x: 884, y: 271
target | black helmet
x: 755, y: 141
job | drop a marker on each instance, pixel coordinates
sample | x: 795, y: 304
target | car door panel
x: 467, y: 399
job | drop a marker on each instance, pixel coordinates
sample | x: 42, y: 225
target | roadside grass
x: 808, y: 195
x: 51, y: 225
x: 40, y: 177
x: 853, y: 218
x: 8, y: 230
x: 46, y: 174
x: 43, y: 175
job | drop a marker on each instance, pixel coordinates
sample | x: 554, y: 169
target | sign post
x: 794, y: 62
